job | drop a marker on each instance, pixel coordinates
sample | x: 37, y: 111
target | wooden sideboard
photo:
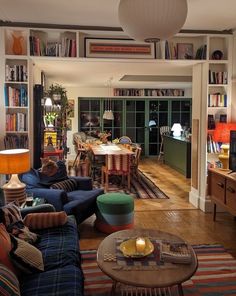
x: 222, y: 190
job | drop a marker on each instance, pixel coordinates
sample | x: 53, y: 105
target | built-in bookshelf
x: 16, y: 89
x: 152, y: 92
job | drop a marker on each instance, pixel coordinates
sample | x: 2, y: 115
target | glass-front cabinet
x: 137, y: 118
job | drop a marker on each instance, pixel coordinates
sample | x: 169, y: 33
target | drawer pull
x: 220, y: 184
x: 230, y: 189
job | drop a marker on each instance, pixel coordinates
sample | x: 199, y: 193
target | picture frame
x: 184, y: 51
x: 71, y: 108
x: 118, y: 48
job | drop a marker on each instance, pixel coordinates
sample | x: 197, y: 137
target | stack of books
x: 175, y: 252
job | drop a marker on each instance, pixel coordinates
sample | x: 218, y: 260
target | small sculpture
x: 17, y: 47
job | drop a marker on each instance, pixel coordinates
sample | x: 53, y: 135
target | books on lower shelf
x: 175, y: 252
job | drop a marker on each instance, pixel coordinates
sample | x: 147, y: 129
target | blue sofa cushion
x: 63, y: 281
x: 59, y: 246
x: 85, y: 198
x: 31, y: 179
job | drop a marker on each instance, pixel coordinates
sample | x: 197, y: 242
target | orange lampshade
x: 222, y: 132
x: 14, y: 161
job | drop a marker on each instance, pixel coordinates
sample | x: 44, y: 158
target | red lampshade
x: 222, y: 132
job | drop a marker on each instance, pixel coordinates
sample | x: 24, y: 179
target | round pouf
x: 115, y: 211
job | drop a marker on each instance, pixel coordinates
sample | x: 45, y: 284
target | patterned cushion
x: 18, y: 229
x: 10, y: 213
x: 26, y: 257
x: 5, y: 248
x: 9, y: 284
x: 66, y: 185
x: 45, y: 220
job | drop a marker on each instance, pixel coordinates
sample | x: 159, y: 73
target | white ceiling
x: 202, y: 15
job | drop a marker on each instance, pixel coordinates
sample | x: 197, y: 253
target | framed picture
x: 69, y: 124
x: 185, y: 51
x: 118, y: 48
x: 71, y: 108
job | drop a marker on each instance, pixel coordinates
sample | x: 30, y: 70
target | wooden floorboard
x: 175, y: 215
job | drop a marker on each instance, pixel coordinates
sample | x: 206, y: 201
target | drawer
x: 231, y: 194
x: 217, y: 187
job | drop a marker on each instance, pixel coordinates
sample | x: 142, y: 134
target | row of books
x: 212, y: 146
x: 220, y: 77
x: 16, y: 97
x: 16, y: 73
x: 175, y: 51
x: 147, y: 92
x: 16, y: 122
x: 217, y: 100
x: 65, y: 48
x: 16, y: 141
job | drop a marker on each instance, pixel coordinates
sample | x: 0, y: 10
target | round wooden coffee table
x: 163, y: 277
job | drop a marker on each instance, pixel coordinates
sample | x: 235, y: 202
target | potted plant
x: 58, y: 94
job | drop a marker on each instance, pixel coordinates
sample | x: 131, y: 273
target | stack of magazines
x: 175, y: 252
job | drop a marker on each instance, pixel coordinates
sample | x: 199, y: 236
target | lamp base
x: 224, y: 156
x: 14, y: 190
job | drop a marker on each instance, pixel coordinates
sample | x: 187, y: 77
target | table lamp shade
x: 13, y: 162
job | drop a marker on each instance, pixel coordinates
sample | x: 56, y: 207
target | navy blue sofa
x: 62, y: 273
x: 81, y: 203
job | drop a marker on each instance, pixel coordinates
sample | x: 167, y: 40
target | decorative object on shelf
x: 152, y: 20
x: 13, y: 162
x: 176, y: 129
x: 16, y: 44
x: 118, y: 48
x: 217, y: 55
x: 222, y: 134
x: 185, y: 51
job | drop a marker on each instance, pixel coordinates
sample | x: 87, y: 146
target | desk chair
x: 135, y: 161
x: 164, y: 130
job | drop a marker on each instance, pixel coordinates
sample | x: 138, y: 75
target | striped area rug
x: 215, y: 276
x: 141, y: 187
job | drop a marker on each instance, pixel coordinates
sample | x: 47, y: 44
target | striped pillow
x: 66, y: 185
x: 45, y: 220
x: 9, y: 284
x: 26, y: 257
x: 10, y: 213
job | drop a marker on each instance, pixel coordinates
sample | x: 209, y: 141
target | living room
x: 88, y: 76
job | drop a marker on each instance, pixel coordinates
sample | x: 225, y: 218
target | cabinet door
x: 231, y: 194
x: 218, y: 187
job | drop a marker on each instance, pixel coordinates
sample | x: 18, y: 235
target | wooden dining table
x: 109, y: 149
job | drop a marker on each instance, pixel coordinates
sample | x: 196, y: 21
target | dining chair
x: 125, y: 140
x: 164, y: 130
x: 135, y: 161
x: 116, y: 164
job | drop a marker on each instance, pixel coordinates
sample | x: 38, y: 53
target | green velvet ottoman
x: 115, y: 211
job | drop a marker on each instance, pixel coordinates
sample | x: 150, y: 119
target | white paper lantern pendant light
x: 152, y: 20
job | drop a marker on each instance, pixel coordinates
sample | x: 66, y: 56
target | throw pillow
x: 9, y: 284
x: 10, y: 213
x: 66, y: 185
x: 26, y: 257
x: 18, y: 229
x: 5, y: 248
x: 45, y: 220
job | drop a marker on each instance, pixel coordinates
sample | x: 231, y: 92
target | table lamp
x: 13, y: 162
x: 176, y: 129
x: 222, y: 134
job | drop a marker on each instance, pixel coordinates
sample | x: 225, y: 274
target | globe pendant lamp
x: 152, y: 20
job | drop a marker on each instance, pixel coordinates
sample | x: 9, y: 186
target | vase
x: 17, y: 46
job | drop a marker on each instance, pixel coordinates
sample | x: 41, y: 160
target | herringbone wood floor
x: 175, y: 215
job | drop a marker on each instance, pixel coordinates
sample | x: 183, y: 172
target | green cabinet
x: 177, y: 154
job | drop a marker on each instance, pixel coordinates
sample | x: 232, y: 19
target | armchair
x: 80, y: 202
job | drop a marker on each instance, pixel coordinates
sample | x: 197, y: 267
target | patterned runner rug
x: 215, y: 276
x: 141, y: 187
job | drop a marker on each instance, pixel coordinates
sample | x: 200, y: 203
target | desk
x: 154, y: 279
x: 177, y: 154
x: 55, y: 155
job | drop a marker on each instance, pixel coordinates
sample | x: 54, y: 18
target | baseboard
x: 200, y: 202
